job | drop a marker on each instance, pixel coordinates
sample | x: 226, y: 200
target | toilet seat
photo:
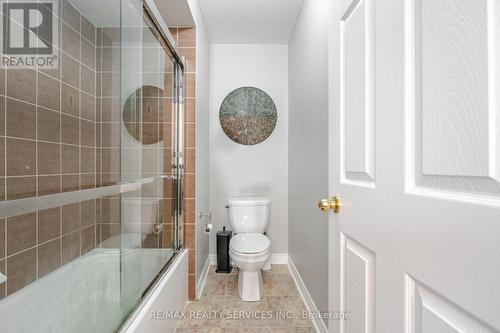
x: 250, y: 243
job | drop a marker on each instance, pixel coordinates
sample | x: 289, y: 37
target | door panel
x: 358, y: 286
x: 430, y: 312
x: 357, y: 109
x: 452, y: 52
x: 414, y: 156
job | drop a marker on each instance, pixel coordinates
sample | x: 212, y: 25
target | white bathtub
x: 89, y: 294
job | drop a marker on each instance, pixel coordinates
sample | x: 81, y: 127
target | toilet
x: 249, y: 248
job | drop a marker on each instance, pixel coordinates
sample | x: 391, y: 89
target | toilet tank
x: 250, y: 214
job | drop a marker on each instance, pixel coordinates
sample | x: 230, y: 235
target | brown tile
x: 110, y: 59
x: 110, y: 235
x: 70, y: 41
x: 173, y: 32
x: 2, y: 81
x: 49, y: 185
x: 21, y: 119
x: 21, y: 187
x: 2, y: 189
x: 110, y: 211
x: 21, y: 157
x: 190, y: 160
x: 70, y: 159
x: 87, y: 80
x: 21, y: 233
x: 49, y: 257
x: 191, y: 287
x: 190, y: 85
x: 88, y: 30
x: 111, y: 134
x: 88, y: 239
x: 2, y: 238
x: 190, y: 210
x: 70, y: 15
x: 190, y: 135
x: 48, y: 125
x: 191, y: 261
x: 87, y: 180
x: 70, y: 247
x: 88, y: 107
x: 190, y: 186
x: 21, y: 84
x: 70, y: 100
x: 88, y: 54
x: 70, y: 71
x: 70, y: 183
x: 168, y: 85
x: 110, y: 85
x: 2, y: 285
x: 2, y: 157
x: 70, y: 130
x: 189, y: 236
x: 87, y: 213
x: 49, y: 158
x: 110, y: 160
x: 87, y: 130
x: 110, y: 109
x: 49, y: 224
x: 48, y: 92
x: 190, y: 58
x: 21, y: 270
x: 2, y: 115
x: 189, y: 109
x: 186, y: 37
x: 87, y: 160
x: 70, y: 218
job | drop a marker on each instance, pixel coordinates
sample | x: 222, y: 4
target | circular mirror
x: 142, y: 113
x: 248, y: 115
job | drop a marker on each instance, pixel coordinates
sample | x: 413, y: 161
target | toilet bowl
x: 250, y: 252
x: 249, y: 248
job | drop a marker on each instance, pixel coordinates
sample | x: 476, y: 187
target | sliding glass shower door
x: 91, y: 155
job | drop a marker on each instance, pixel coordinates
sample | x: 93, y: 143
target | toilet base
x: 250, y: 286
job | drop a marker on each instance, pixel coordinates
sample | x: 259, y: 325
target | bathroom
x: 249, y: 166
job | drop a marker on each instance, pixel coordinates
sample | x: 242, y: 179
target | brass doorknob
x: 327, y: 204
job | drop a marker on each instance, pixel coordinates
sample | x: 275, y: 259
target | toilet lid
x: 250, y: 243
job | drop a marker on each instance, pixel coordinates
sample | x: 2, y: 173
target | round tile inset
x: 142, y: 114
x: 248, y: 115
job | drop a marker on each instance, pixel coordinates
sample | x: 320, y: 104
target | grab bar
x: 33, y: 204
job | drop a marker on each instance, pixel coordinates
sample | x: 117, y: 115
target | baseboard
x: 203, y: 277
x: 319, y: 324
x: 276, y: 259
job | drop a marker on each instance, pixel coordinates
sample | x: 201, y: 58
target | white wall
x: 202, y: 136
x: 238, y: 170
x: 308, y: 148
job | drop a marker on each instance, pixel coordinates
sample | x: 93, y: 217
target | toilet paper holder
x: 202, y: 215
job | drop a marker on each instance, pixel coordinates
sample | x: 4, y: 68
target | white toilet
x: 249, y: 248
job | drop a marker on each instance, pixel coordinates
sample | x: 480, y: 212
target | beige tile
x: 290, y: 304
x: 232, y: 286
x: 215, y: 285
x: 195, y: 310
x: 238, y: 314
x: 278, y: 285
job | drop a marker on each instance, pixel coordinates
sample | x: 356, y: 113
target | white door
x: 415, y: 158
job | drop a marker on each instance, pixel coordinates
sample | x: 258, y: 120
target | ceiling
x: 250, y: 21
x: 176, y: 13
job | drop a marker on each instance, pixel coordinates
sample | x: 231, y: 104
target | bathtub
x: 90, y: 295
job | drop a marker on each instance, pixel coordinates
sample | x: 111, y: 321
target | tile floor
x: 281, y: 306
